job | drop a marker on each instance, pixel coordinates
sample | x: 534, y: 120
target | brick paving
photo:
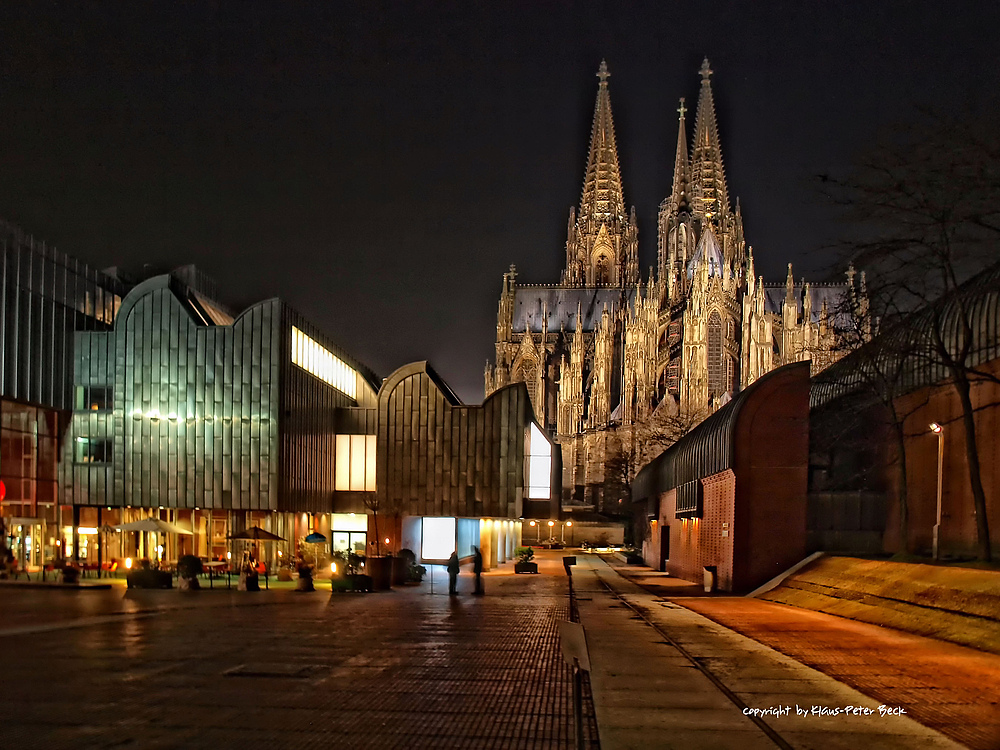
x: 400, y: 669
x: 947, y: 687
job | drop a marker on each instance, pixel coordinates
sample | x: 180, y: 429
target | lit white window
x: 539, y: 465
x: 354, y: 463
x: 320, y: 362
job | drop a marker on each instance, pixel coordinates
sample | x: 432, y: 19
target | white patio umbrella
x: 154, y: 525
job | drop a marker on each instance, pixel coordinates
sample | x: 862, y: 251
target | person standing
x: 477, y: 567
x: 453, y: 567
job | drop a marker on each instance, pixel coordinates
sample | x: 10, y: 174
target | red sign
x: 3, y: 490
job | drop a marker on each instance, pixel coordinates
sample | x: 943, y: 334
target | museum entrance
x: 26, y: 541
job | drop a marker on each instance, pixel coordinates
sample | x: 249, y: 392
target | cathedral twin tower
x: 601, y: 349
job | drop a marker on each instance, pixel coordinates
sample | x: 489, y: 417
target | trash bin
x: 709, y: 578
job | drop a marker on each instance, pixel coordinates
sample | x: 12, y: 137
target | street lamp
x: 939, y: 431
x: 537, y: 532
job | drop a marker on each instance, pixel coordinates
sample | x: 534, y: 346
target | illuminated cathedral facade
x: 604, y: 350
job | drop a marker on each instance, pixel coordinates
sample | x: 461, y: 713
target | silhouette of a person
x: 477, y: 567
x: 453, y: 567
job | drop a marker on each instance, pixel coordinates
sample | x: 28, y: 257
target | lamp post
x: 564, y: 525
x: 551, y: 532
x: 537, y: 531
x: 939, y: 431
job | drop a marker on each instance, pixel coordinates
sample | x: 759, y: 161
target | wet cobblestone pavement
x: 400, y: 669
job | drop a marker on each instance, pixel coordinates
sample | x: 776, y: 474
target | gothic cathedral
x: 602, y: 351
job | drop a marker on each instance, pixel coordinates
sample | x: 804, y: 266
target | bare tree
x: 879, y: 366
x: 927, y: 203
x: 633, y: 446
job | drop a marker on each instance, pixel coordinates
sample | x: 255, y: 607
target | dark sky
x: 379, y: 165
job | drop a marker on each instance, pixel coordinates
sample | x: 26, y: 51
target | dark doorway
x: 664, y: 547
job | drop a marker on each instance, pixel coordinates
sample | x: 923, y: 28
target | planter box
x: 398, y: 571
x: 359, y: 582
x: 380, y: 570
x: 145, y: 578
x: 528, y: 567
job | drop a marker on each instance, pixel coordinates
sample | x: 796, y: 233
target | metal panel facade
x: 194, y: 421
x: 44, y: 297
x: 310, y: 421
x: 437, y: 457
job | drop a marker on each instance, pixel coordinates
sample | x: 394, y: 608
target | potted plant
x: 70, y: 574
x: 360, y: 581
x: 412, y: 572
x: 189, y: 567
x: 524, y: 562
x: 377, y: 566
x: 305, y: 582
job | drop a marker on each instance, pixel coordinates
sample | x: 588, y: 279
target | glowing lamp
x: 387, y: 540
x: 935, y: 427
x: 532, y: 523
x: 551, y: 524
x: 128, y: 563
x: 333, y: 567
x: 569, y: 523
x: 229, y: 555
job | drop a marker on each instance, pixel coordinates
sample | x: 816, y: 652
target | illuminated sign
x: 438, y: 538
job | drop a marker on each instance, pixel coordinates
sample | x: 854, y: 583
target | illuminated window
x: 355, y: 463
x: 539, y: 465
x: 92, y: 451
x: 94, y: 398
x: 318, y: 361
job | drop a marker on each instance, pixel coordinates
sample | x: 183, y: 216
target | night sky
x: 379, y: 165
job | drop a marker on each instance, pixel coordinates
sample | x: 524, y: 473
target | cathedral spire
x: 678, y: 196
x: 602, y: 242
x: 708, y: 179
x: 602, y: 185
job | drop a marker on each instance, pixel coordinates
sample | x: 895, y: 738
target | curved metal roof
x: 708, y: 449
x: 906, y: 351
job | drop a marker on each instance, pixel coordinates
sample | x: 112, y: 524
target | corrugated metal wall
x: 310, y: 413
x: 439, y: 458
x: 44, y: 297
x: 195, y: 420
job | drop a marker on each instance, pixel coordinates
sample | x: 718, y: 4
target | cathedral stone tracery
x: 602, y: 350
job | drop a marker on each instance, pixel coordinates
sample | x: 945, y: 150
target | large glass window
x: 92, y: 451
x: 355, y: 463
x: 539, y: 465
x: 320, y: 362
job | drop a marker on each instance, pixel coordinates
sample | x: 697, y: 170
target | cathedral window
x: 716, y: 376
x: 602, y: 271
